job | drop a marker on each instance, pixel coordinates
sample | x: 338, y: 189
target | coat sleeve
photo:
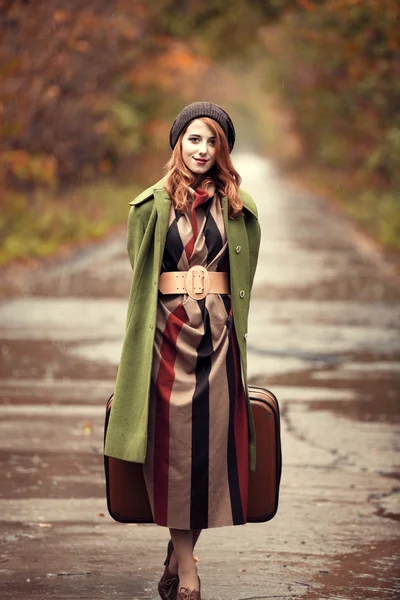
x: 135, y: 234
x: 134, y: 240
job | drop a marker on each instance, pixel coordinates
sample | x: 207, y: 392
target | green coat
x: 147, y: 230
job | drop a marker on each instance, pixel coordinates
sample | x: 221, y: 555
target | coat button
x: 238, y: 249
x: 245, y: 336
x: 241, y: 293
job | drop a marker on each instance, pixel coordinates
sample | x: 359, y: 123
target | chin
x: 199, y: 170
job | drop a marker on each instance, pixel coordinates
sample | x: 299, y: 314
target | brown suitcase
x: 127, y: 498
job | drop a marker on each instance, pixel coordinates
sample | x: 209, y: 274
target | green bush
x: 335, y: 66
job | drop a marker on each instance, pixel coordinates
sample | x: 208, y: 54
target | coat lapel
x: 237, y: 238
x: 163, y: 206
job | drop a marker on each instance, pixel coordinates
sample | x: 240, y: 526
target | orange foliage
x: 24, y: 167
x: 170, y: 67
x: 64, y: 70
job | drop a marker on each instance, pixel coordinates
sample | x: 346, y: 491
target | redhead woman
x: 181, y: 405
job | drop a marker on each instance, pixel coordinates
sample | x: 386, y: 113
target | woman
x: 180, y: 405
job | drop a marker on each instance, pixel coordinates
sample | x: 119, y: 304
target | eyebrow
x: 212, y: 137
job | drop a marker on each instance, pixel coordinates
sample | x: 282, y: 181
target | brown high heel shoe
x: 186, y: 594
x: 168, y: 584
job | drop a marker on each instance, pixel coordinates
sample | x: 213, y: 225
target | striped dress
x: 196, y: 468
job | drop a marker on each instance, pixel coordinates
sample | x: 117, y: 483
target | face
x: 198, y: 147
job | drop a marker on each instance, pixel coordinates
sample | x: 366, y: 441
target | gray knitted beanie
x: 198, y: 110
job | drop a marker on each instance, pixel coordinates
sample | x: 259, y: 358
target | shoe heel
x: 170, y: 550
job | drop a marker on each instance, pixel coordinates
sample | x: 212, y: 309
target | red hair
x: 222, y: 174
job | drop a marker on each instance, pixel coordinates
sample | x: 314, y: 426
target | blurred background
x: 88, y: 92
x: 89, y: 88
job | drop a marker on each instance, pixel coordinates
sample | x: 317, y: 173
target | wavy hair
x: 222, y: 176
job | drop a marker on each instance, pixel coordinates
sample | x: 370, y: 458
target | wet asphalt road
x: 323, y: 336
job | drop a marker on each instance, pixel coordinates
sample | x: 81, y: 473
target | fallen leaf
x: 87, y: 428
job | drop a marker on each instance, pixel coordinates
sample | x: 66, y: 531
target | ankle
x: 188, y: 568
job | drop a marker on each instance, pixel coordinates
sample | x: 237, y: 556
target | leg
x: 183, y: 550
x: 173, y: 563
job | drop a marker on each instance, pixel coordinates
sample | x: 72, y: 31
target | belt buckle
x: 197, y: 282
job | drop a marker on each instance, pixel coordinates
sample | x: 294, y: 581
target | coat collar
x: 149, y: 193
x: 158, y: 187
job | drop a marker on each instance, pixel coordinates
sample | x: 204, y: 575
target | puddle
x: 382, y: 407
x: 52, y: 474
x: 45, y: 359
x: 59, y: 392
x: 370, y: 573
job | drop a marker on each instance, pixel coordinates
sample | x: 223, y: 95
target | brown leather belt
x: 197, y: 282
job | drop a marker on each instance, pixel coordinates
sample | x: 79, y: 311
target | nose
x: 203, y: 148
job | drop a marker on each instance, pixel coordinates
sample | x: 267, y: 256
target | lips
x: 201, y: 161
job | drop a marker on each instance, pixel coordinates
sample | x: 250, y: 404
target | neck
x: 198, y: 180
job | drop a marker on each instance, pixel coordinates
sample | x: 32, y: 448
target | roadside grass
x: 374, y: 208
x: 372, y: 203
x: 33, y: 226
x: 378, y: 212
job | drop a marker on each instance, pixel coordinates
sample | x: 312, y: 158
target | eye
x: 193, y: 139
x: 212, y: 141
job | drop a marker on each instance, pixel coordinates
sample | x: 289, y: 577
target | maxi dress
x: 196, y: 467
